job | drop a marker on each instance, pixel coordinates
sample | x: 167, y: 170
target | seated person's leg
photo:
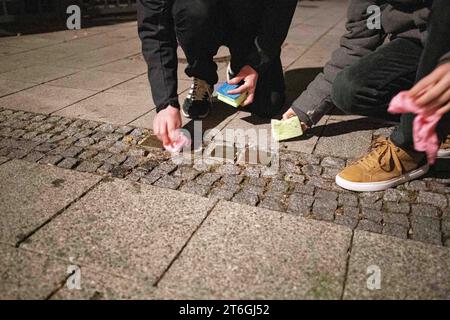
x: 394, y: 161
x: 438, y: 44
x: 199, y: 34
x: 270, y: 92
x: 367, y: 87
x: 243, y: 28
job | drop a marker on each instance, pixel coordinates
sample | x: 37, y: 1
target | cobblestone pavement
x: 304, y: 184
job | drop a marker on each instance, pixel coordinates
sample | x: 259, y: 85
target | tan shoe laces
x: 383, y: 155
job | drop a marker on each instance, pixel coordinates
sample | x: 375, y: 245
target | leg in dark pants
x: 367, y: 87
x: 202, y: 26
x: 438, y: 44
x: 200, y: 33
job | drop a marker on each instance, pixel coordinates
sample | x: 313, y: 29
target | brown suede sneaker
x: 444, y: 150
x: 386, y: 166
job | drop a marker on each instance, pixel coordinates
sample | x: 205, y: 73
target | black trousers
x: 202, y: 26
x: 438, y: 44
x: 367, y: 87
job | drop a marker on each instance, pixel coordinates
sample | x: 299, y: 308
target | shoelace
x: 384, y: 155
x: 197, y: 91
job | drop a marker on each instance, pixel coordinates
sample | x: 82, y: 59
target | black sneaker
x: 198, y: 101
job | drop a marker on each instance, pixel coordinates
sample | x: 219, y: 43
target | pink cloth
x: 177, y: 145
x: 424, y: 127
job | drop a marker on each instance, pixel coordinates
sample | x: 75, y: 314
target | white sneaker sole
x: 382, y: 185
x: 443, y: 153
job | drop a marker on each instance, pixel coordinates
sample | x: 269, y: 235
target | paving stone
x: 116, y: 159
x: 399, y: 261
x: 104, y: 286
x: 348, y: 199
x: 29, y: 275
x: 45, y: 147
x: 103, y: 145
x: 416, y: 185
x: 88, y: 154
x: 34, y: 156
x: 308, y: 159
x: 272, y: 204
x: 278, y: 186
x: 120, y: 171
x: 105, y: 168
x: 134, y: 152
x: 51, y: 159
x: 426, y: 230
x: 119, y: 147
x: 324, y: 209
x: 300, y: 203
x: 252, y: 172
x: 186, y: 173
x: 228, y: 169
x: 397, y: 207
x: 102, y: 156
x: 324, y: 194
x: 88, y: 166
x: 72, y: 152
x: 151, y: 177
x: 133, y: 161
x: 424, y: 211
x: 68, y: 163
x: 168, y: 182
x: 290, y: 167
x: 250, y: 188
x: 434, y: 199
x: 107, y: 128
x: 292, y: 177
x: 259, y: 182
x: 368, y: 225
x: 309, y: 190
x: 222, y: 193
x: 195, y: 188
x: 124, y: 129
x: 333, y: 163
x: 395, y: 230
x: 245, y: 197
x: 346, y: 221
x: 392, y: 195
x: 166, y: 167
x: 232, y: 179
x: 3, y: 159
x: 330, y: 173
x: 243, y: 239
x: 128, y: 229
x: 85, y: 142
x: 312, y: 170
x: 208, y: 178
x: 31, y: 194
x: 18, y: 153
x: 396, y: 218
x: 371, y: 201
x: 320, y: 183
x: 351, y: 212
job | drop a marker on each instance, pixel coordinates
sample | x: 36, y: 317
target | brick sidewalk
x: 79, y: 101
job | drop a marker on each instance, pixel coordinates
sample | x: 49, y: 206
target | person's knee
x: 191, y: 14
x: 345, y: 91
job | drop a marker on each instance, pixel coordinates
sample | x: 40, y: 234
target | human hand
x: 166, y: 125
x: 288, y: 114
x: 433, y: 91
x: 250, y: 78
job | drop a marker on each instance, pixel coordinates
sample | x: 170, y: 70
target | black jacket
x: 159, y: 45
